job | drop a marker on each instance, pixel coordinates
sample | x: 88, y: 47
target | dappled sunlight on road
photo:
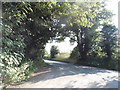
x: 64, y: 75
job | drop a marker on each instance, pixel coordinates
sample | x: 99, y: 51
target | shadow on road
x: 60, y: 70
x: 56, y: 70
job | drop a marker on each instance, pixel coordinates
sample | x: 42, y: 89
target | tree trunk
x: 83, y: 44
x: 80, y: 46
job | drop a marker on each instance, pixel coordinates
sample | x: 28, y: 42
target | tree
x: 27, y: 27
x: 81, y: 23
x: 108, y: 42
x: 35, y: 23
x: 54, y: 51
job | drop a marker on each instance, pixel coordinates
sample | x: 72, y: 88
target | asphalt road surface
x: 64, y: 75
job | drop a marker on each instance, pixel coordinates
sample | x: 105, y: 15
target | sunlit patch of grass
x: 63, y: 57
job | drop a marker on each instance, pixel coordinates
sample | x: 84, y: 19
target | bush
x: 101, y: 62
x: 74, y: 53
x: 15, y: 71
x: 54, y: 51
x: 112, y: 64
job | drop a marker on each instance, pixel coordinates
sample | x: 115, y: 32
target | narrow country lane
x: 64, y: 75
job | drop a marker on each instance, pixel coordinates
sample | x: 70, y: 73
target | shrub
x: 54, y: 51
x: 15, y: 71
x: 74, y: 53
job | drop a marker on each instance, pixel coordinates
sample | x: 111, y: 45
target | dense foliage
x: 28, y: 26
x: 109, y: 40
x: 81, y: 23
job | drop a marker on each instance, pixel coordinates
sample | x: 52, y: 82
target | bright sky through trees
x: 111, y: 5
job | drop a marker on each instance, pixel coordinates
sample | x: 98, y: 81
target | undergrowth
x: 12, y: 74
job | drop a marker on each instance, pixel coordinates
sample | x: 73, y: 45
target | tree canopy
x: 28, y: 26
